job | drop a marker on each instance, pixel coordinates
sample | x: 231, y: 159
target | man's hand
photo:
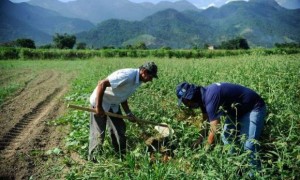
x: 100, y: 112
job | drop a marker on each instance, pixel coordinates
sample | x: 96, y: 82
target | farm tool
x: 160, y: 143
x: 162, y: 128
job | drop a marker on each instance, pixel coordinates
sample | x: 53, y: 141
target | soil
x: 25, y: 133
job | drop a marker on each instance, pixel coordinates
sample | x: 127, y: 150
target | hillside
x: 97, y: 11
x: 26, y: 21
x: 262, y: 23
x: 12, y: 28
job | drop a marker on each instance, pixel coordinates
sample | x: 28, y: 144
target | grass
x: 275, y: 78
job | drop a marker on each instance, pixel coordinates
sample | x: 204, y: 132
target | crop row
x: 275, y: 77
x: 23, y: 53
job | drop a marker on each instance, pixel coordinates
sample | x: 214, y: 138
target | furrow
x: 25, y: 121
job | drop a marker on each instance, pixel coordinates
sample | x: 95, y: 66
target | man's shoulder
x: 212, y: 88
x: 126, y: 71
x: 123, y: 75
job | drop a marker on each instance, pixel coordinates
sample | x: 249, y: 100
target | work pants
x: 117, y: 128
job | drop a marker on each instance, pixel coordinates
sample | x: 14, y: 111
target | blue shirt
x: 229, y: 99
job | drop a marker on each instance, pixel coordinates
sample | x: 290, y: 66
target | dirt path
x: 23, y: 123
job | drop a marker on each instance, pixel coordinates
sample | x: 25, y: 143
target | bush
x: 64, y: 41
x: 26, y: 53
x: 25, y: 43
x: 238, y: 43
x: 9, y: 53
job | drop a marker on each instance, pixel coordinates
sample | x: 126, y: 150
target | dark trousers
x: 117, y: 131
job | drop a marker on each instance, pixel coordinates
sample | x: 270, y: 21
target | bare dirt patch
x: 23, y: 124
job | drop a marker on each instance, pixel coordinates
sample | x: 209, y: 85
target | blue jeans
x: 249, y: 125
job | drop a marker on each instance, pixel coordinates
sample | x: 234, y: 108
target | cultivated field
x: 41, y: 139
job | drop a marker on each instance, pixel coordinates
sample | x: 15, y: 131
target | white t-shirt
x: 123, y: 84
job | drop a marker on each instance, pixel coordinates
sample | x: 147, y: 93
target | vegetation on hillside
x: 262, y: 23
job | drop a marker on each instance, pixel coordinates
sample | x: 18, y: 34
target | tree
x: 64, y: 41
x: 129, y: 46
x: 25, y: 43
x: 287, y: 45
x: 140, y: 45
x: 243, y: 44
x: 205, y: 46
x: 238, y: 43
x: 81, y: 45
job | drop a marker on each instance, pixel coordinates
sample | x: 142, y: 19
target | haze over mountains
x: 97, y: 11
x: 177, y: 25
x: 26, y: 21
x: 201, y: 4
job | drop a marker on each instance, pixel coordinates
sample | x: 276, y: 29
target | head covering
x: 151, y: 68
x: 185, y: 90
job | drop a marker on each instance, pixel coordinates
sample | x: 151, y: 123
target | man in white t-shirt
x: 108, y: 95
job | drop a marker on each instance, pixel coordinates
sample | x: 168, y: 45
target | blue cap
x: 185, y: 90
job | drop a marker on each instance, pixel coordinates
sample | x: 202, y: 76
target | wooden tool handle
x: 94, y: 111
x: 115, y: 115
x: 81, y: 108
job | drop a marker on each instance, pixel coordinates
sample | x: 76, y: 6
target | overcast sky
x: 198, y: 3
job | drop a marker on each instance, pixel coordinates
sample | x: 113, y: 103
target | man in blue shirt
x: 243, y: 108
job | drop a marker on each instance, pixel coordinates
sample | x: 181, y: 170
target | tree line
x: 66, y: 41
x: 60, y: 41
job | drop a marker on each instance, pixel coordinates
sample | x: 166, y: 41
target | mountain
x: 97, y: 11
x: 26, y: 21
x: 261, y: 22
x: 165, y: 28
x: 289, y: 4
x: 12, y: 29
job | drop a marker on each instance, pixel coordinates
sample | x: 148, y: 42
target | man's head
x: 148, y: 71
x: 188, y: 95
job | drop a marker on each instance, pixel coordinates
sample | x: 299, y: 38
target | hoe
x: 159, y: 143
x: 162, y: 128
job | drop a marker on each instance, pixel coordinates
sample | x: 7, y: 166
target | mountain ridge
x: 261, y: 23
x: 15, y: 17
x: 97, y: 11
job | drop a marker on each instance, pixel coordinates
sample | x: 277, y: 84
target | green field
x: 274, y: 77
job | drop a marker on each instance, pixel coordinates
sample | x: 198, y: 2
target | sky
x: 197, y: 3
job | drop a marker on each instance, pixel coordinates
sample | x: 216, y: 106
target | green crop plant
x: 274, y: 77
